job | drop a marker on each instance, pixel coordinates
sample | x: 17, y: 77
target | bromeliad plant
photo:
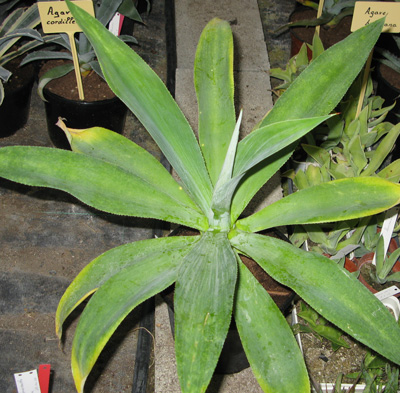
x: 218, y: 178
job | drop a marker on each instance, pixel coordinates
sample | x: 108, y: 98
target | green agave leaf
x: 4, y: 74
x: 356, y: 151
x: 321, y: 86
x: 391, y: 172
x: 329, y: 289
x: 225, y: 186
x: 128, y: 9
x: 45, y: 55
x: 203, y: 306
x: 95, y: 182
x: 1, y: 92
x: 265, y: 141
x: 11, y: 21
x: 314, y: 175
x: 337, y: 200
x: 30, y: 45
x: 255, y: 178
x: 321, y: 156
x: 19, y: 19
x: 382, y: 151
x: 97, y: 272
x: 114, y: 148
x: 114, y: 300
x: 107, y: 10
x: 300, y: 180
x: 264, y: 147
x: 325, y: 81
x: 136, y: 84
x: 213, y: 80
x: 29, y: 18
x: 267, y: 339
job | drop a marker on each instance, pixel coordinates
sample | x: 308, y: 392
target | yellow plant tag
x: 57, y: 18
x: 366, y: 12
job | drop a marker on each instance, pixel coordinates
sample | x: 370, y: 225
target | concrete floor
x: 47, y: 237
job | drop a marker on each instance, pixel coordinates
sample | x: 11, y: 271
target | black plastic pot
x: 233, y: 358
x: 14, y: 111
x: 110, y: 114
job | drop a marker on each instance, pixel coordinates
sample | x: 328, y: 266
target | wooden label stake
x: 319, y: 13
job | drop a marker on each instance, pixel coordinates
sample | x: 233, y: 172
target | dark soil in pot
x: 328, y: 35
x: 324, y: 364
x: 14, y: 110
x: 367, y: 272
x: 233, y: 358
x: 100, y: 108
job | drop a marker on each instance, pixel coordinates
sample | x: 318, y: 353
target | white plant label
x: 391, y: 291
x: 387, y: 229
x: 27, y: 382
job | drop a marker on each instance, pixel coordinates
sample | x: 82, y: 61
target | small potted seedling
x: 63, y: 93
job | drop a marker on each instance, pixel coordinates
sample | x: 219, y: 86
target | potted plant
x: 109, y: 172
x: 335, y: 21
x: 296, y: 64
x: 349, y: 368
x: 345, y: 146
x: 57, y: 84
x: 378, y: 268
x: 15, y: 82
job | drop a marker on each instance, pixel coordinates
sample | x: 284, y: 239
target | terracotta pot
x: 233, y: 358
x: 14, y: 111
x: 110, y: 114
x: 350, y: 265
x: 368, y: 258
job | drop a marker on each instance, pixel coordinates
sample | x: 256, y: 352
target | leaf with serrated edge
x: 274, y: 355
x: 329, y: 289
x: 95, y: 182
x: 109, y: 263
x: 116, y: 149
x: 321, y: 86
x: 265, y: 141
x: 337, y: 200
x: 114, y: 300
x: 147, y: 97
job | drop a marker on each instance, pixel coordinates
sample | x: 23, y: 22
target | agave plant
x: 389, y: 58
x: 217, y: 178
x: 18, y: 24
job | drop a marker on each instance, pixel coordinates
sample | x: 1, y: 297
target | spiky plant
x: 218, y: 178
